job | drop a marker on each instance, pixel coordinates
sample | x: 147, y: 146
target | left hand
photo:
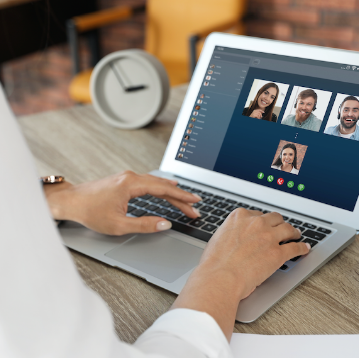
x: 101, y: 205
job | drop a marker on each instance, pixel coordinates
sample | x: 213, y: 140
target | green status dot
x: 270, y: 178
x: 290, y: 184
x: 301, y: 187
x: 260, y: 175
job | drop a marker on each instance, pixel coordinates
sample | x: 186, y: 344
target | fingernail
x: 299, y: 231
x: 308, y: 246
x: 196, y: 212
x: 197, y: 196
x: 163, y: 225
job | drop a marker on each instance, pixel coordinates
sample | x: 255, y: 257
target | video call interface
x: 263, y: 122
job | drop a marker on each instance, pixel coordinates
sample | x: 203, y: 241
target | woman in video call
x: 263, y: 103
x: 287, y: 159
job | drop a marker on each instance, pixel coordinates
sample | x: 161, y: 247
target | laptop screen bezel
x: 235, y: 185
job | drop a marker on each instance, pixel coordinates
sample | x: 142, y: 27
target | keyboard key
x: 255, y: 208
x: 196, y: 223
x: 324, y: 231
x: 221, y: 205
x: 156, y: 200
x: 299, y: 227
x: 206, y: 193
x: 174, y: 208
x: 130, y: 208
x: 138, y: 212
x: 295, y: 258
x: 242, y: 205
x: 231, y: 208
x: 212, y: 219
x: 203, y: 215
x: 173, y: 215
x: 185, y: 219
x: 314, y: 235
x: 141, y: 204
x: 191, y: 231
x: 209, y: 227
x: 151, y: 214
x: 133, y: 200
x: 183, y: 186
x: 152, y: 207
x: 309, y: 226
x: 197, y: 205
x: 210, y: 201
x: 145, y: 197
x: 196, y: 191
x: 283, y: 267
x: 265, y: 211
x: 295, y: 221
x: 230, y: 201
x: 207, y: 208
x: 218, y: 212
x: 285, y: 218
x: 219, y: 197
x: 219, y: 223
x: 225, y: 215
x: 162, y: 211
x: 311, y: 242
x: 166, y: 204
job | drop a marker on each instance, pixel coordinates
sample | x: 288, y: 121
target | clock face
x: 127, y: 89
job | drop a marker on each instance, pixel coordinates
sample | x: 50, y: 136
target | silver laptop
x: 265, y: 125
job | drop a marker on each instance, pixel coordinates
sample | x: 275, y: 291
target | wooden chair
x: 175, y: 31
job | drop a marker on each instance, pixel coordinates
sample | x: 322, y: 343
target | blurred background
x: 35, y: 61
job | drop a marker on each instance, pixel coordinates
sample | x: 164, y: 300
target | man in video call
x: 304, y: 106
x: 348, y: 116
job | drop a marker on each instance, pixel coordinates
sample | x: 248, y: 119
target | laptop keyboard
x: 214, y: 209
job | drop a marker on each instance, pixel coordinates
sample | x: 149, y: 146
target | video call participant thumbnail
x: 348, y: 115
x: 287, y: 159
x: 304, y: 118
x: 264, y: 103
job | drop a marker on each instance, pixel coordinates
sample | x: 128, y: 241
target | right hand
x: 247, y: 246
x: 257, y: 113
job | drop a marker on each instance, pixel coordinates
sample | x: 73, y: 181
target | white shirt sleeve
x: 45, y: 309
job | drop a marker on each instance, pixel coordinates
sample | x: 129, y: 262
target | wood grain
x: 79, y: 145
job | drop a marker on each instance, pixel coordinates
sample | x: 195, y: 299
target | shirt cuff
x: 196, y: 328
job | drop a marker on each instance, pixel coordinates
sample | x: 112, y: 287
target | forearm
x: 215, y: 291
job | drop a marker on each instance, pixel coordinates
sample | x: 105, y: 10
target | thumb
x: 145, y: 224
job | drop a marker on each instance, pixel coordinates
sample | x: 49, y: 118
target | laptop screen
x: 283, y: 122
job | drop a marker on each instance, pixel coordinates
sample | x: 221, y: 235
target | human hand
x: 101, y: 205
x: 242, y: 254
x: 247, y: 246
x: 257, y: 113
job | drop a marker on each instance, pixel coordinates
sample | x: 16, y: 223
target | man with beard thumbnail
x: 304, y: 106
x: 348, y: 115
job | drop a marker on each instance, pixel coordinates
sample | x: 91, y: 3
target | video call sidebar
x: 212, y: 111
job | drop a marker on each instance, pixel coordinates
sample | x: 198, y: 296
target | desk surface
x: 77, y: 144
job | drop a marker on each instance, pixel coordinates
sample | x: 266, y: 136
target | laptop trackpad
x: 158, y: 255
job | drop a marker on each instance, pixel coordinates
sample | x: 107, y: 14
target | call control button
x: 270, y: 178
x: 280, y: 181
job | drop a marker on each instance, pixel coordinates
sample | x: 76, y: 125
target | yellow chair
x: 175, y: 30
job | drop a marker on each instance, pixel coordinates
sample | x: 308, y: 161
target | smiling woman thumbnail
x: 264, y: 103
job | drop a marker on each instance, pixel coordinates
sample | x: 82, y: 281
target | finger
x: 294, y: 249
x: 286, y: 231
x: 144, y: 224
x: 184, y: 207
x: 274, y: 219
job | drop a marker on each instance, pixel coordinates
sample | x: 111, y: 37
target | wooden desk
x: 78, y: 144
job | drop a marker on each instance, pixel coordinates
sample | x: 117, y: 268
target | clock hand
x: 120, y: 81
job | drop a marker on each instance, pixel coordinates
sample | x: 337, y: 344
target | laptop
x: 260, y: 128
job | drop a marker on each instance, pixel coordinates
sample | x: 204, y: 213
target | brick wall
x: 39, y: 82
x: 331, y: 23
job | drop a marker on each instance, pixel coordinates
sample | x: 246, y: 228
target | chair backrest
x: 170, y: 23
